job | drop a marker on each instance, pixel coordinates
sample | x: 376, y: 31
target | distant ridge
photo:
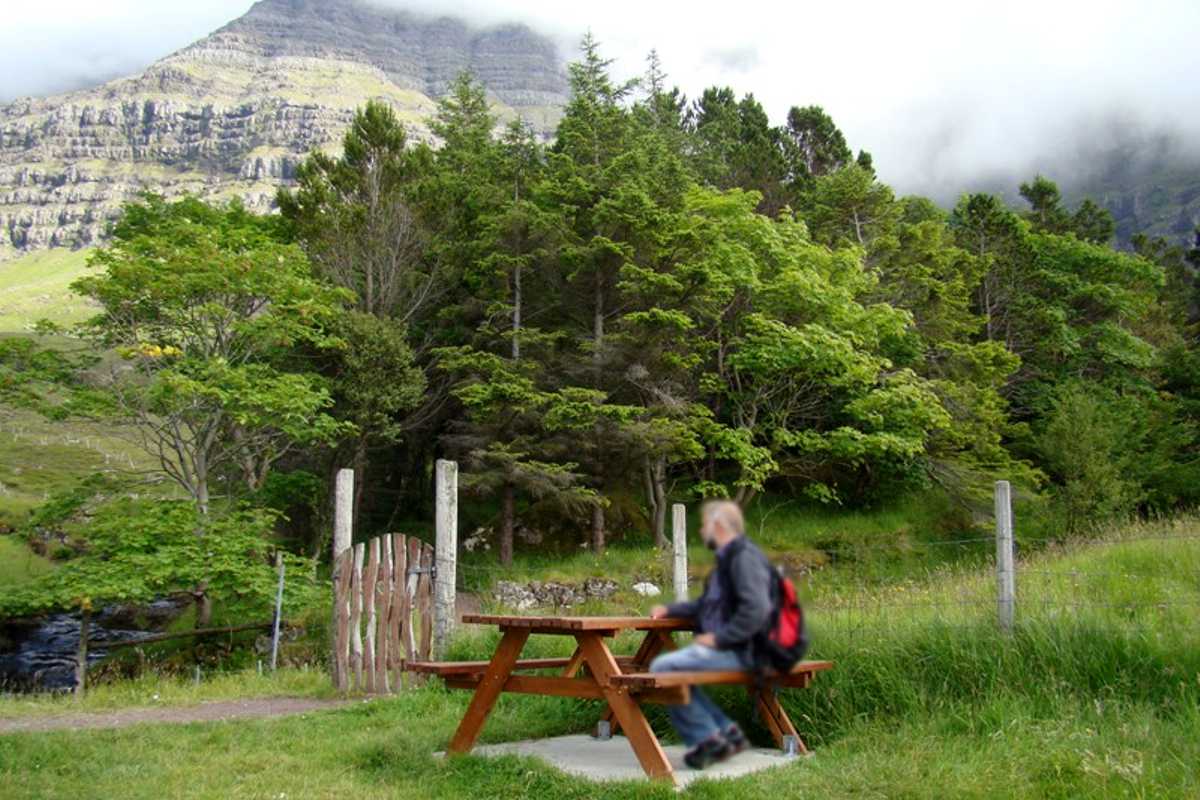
x: 232, y: 114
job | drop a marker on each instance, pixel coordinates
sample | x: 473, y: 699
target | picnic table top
x: 568, y: 625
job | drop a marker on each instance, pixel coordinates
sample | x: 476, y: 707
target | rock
x: 233, y: 114
x: 599, y: 588
x: 514, y: 595
x: 552, y: 594
x: 647, y: 589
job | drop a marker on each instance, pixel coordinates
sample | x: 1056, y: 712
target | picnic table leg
x: 775, y: 717
x: 628, y: 713
x: 654, y: 643
x: 572, y: 668
x: 490, y: 686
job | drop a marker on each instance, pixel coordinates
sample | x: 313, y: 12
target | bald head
x: 721, y: 522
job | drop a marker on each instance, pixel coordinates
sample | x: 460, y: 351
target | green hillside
x: 35, y: 286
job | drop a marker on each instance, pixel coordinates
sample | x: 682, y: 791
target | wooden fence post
x: 383, y: 605
x: 412, y: 591
x: 679, y: 538
x: 370, y: 578
x: 81, y: 654
x: 356, y: 611
x: 343, y: 514
x: 445, y: 571
x: 278, y: 613
x: 1005, y: 575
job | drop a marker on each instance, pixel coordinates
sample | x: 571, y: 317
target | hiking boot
x: 735, y: 742
x: 710, y: 751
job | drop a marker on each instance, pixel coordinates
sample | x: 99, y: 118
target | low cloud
x: 945, y: 94
x: 735, y: 59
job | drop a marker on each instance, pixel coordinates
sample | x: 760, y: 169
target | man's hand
x: 658, y: 612
x: 706, y: 639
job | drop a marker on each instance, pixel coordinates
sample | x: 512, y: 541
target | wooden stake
x: 81, y: 654
x: 425, y: 595
x: 356, y: 607
x: 278, y: 615
x: 447, y: 548
x: 383, y: 603
x: 679, y: 538
x: 399, y: 607
x: 370, y: 577
x: 1005, y: 575
x: 412, y: 600
x: 343, y: 516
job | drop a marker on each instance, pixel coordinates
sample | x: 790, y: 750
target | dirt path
x: 205, y: 712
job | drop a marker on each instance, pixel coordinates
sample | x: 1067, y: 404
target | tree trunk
x: 202, y: 495
x: 651, y: 495
x: 516, y: 316
x: 507, y: 513
x: 598, y: 323
x: 598, y: 528
x: 598, y: 339
x: 658, y: 484
x: 203, y: 615
x: 360, y: 477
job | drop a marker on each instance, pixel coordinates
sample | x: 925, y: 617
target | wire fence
x: 1146, y: 571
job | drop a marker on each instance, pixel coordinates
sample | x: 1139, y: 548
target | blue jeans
x: 700, y: 718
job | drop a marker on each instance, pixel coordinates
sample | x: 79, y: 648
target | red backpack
x: 786, y: 639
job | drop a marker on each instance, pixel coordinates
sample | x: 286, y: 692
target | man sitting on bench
x: 734, y: 607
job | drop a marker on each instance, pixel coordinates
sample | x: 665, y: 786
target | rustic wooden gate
x: 383, y: 604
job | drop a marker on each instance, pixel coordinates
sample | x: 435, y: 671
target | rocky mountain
x: 1149, y: 180
x: 232, y: 114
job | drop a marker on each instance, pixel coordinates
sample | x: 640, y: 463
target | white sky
x: 938, y: 90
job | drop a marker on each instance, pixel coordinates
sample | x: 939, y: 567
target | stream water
x: 39, y: 654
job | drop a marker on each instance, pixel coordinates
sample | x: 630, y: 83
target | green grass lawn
x: 1095, y: 694
x: 1001, y: 748
x: 36, y: 286
x: 154, y: 690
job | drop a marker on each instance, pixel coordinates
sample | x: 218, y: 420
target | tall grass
x: 1108, y: 622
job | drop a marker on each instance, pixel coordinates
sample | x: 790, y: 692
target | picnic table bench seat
x: 799, y: 677
x: 460, y: 668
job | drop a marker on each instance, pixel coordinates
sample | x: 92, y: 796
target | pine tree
x: 816, y: 146
x: 1047, y: 213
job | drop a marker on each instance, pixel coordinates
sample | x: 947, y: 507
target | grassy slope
x: 18, y: 563
x: 35, y: 286
x: 927, y: 700
x: 38, y: 456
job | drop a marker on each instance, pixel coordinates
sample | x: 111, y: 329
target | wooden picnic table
x: 622, y: 682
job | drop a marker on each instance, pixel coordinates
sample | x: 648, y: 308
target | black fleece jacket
x: 745, y: 574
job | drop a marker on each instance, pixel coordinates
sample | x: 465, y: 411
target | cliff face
x: 232, y: 114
